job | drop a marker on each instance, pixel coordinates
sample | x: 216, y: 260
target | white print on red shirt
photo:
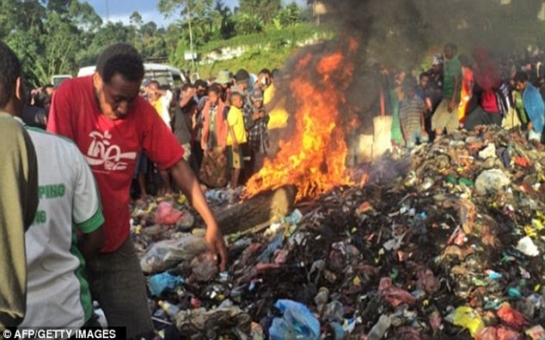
x: 102, y: 152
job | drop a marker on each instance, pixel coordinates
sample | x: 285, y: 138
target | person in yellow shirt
x: 160, y: 100
x: 236, y: 137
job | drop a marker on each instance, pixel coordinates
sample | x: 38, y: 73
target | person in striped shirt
x: 412, y: 112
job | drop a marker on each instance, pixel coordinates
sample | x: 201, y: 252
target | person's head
x: 187, y: 93
x: 201, y: 87
x: 49, y: 89
x: 464, y: 60
x: 521, y: 79
x: 450, y: 50
x: 242, y: 78
x: 264, y: 78
x: 437, y: 63
x: 12, y: 97
x: 424, y: 79
x: 257, y: 97
x: 119, y: 73
x: 409, y: 88
x: 236, y: 99
x: 224, y: 78
x: 152, y: 89
x: 214, y: 93
x: 188, y: 89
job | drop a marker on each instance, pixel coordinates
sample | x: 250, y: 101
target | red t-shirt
x: 111, y: 146
x: 487, y: 76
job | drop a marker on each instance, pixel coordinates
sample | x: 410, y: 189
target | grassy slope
x: 269, y: 49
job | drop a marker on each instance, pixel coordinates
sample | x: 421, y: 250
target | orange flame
x: 314, y: 157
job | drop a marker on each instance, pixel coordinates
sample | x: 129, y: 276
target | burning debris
x: 314, y: 156
x: 446, y: 241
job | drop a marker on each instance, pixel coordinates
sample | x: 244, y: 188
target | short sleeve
x: 232, y: 117
x: 87, y: 211
x: 60, y: 117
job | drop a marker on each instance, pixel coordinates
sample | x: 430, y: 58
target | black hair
x: 154, y: 82
x: 201, y: 83
x: 464, y: 60
x: 216, y: 88
x: 520, y: 77
x: 266, y: 71
x: 424, y: 74
x: 48, y: 86
x: 120, y: 58
x: 10, y: 70
x: 187, y: 86
x: 451, y: 46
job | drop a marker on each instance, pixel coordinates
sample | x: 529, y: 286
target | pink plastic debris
x: 393, y: 295
x: 166, y: 214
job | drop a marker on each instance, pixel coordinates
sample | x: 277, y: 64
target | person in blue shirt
x: 533, y: 105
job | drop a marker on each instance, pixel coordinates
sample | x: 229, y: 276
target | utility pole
x: 190, y: 34
x: 107, y: 10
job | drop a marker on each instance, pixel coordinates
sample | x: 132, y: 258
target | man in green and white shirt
x: 58, y: 295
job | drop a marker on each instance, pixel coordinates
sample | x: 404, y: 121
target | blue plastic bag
x: 297, y: 322
x: 162, y: 282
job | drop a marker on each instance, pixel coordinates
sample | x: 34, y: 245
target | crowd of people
x: 459, y: 92
x: 64, y: 220
x: 222, y: 125
x: 64, y: 197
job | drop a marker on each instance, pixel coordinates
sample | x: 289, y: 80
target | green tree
x: 190, y: 10
x: 247, y: 24
x: 289, y: 16
x: 136, y: 19
x: 264, y: 9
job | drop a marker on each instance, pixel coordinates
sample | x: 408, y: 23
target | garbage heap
x: 443, y: 241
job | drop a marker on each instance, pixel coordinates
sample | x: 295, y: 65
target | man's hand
x: 215, y: 241
x: 188, y: 184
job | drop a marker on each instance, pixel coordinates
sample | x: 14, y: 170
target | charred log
x: 263, y: 207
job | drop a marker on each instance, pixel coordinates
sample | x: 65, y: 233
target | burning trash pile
x: 444, y: 241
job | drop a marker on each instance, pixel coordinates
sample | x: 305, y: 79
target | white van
x: 164, y: 74
x: 58, y: 79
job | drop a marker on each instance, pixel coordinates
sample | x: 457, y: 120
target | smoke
x: 404, y: 35
x: 401, y: 32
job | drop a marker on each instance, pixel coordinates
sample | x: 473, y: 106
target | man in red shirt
x: 104, y: 115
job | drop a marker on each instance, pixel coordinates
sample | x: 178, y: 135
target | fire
x: 314, y: 157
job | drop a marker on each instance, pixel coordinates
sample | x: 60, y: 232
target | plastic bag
x: 163, y: 282
x: 297, y: 322
x: 466, y: 317
x: 395, y: 296
x: 166, y: 214
x: 202, y: 324
x: 168, y: 253
x: 511, y: 317
x: 204, y: 267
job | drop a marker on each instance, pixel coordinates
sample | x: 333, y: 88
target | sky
x: 120, y: 10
